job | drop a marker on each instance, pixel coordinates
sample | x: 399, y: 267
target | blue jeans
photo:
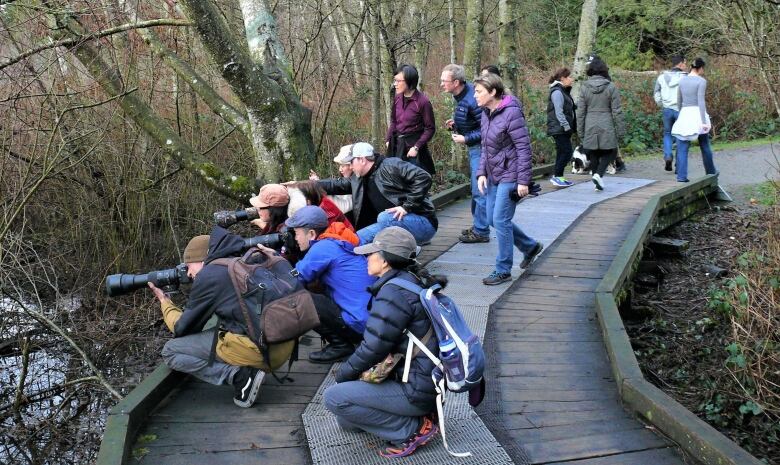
x: 500, y: 210
x: 419, y: 226
x: 380, y: 409
x: 706, y: 157
x: 669, y: 117
x: 478, y: 208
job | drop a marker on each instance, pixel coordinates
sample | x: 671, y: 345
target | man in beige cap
x: 237, y: 360
x: 385, y: 192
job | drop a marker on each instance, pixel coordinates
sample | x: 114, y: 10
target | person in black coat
x: 397, y: 412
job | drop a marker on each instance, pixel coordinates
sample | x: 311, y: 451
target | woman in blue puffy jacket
x: 504, y: 172
x: 400, y: 413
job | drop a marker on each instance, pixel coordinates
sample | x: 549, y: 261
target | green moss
x: 209, y: 170
x: 241, y: 185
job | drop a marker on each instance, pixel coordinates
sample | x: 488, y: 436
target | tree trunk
x: 474, y: 34
x: 508, y: 14
x: 451, y: 21
x: 586, y: 42
x: 377, y: 135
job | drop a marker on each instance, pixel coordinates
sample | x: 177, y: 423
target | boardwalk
x: 552, y: 398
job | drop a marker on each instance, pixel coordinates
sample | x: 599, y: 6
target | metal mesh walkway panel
x: 543, y: 218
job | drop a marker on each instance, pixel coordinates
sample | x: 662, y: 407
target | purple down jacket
x: 506, y: 145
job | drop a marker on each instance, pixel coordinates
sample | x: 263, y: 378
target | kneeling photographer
x: 237, y: 360
x: 329, y: 259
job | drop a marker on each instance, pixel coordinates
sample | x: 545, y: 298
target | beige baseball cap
x: 394, y: 240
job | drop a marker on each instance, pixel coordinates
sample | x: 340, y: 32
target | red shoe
x: 426, y: 432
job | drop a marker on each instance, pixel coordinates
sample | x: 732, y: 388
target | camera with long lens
x: 274, y: 241
x: 118, y: 284
x: 228, y: 218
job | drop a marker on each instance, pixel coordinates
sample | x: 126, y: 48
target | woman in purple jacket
x: 504, y: 172
x: 411, y: 121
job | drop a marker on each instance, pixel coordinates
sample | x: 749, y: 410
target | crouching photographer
x: 233, y: 358
x: 329, y: 259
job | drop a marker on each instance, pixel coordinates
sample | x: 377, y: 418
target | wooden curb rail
x: 126, y: 417
x: 696, y: 437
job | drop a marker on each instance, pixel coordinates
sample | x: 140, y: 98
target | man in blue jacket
x: 329, y: 259
x: 465, y: 127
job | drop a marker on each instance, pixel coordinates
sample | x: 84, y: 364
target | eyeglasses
x: 445, y: 80
x: 399, y: 80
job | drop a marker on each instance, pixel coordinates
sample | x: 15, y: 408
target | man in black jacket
x: 237, y: 360
x: 385, y: 192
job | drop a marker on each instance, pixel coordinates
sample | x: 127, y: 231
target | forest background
x: 124, y: 125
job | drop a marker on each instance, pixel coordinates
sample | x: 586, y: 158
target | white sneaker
x: 598, y: 182
x: 611, y: 169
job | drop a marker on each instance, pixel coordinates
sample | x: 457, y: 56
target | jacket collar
x: 463, y: 93
x: 374, y: 288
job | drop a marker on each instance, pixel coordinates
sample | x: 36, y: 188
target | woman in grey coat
x: 600, y: 123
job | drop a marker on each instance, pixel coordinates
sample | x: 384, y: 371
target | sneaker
x: 496, y: 278
x: 531, y: 255
x: 246, y: 383
x: 620, y: 166
x: 611, y: 169
x: 427, y: 430
x: 668, y: 165
x: 560, y: 182
x: 598, y: 182
x: 470, y: 237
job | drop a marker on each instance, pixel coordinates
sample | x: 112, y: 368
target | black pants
x: 600, y: 160
x: 563, y: 152
x: 332, y: 325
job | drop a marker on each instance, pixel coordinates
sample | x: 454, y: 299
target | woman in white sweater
x: 693, y: 122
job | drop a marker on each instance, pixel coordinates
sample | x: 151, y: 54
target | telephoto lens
x: 228, y: 218
x: 118, y: 284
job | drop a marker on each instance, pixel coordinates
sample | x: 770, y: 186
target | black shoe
x: 531, y: 255
x: 620, y: 167
x: 496, y: 278
x: 333, y: 352
x: 246, y: 383
x: 668, y: 165
x: 470, y: 237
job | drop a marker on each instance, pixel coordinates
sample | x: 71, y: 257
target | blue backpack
x: 461, y: 360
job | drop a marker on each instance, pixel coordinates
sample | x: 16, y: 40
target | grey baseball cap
x: 394, y: 240
x: 356, y: 150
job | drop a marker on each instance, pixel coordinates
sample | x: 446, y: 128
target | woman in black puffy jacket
x: 399, y: 413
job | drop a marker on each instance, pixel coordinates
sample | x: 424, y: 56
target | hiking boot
x: 425, y: 433
x: 333, y: 352
x: 532, y: 254
x: 496, y: 278
x: 598, y: 182
x: 246, y: 383
x: 668, y: 165
x: 470, y: 237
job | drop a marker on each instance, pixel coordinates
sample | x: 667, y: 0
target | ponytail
x: 414, y: 267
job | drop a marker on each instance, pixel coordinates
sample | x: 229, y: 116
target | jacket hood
x: 673, y: 76
x: 597, y: 84
x: 506, y: 102
x: 339, y: 231
x: 223, y: 243
x: 556, y: 83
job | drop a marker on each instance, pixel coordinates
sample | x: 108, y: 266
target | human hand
x: 705, y: 128
x: 266, y: 250
x: 522, y: 190
x: 313, y: 176
x: 459, y: 138
x: 398, y: 212
x: 387, y: 144
x: 412, y: 152
x: 482, y: 184
x: 259, y: 223
x: 158, y: 293
x: 449, y: 124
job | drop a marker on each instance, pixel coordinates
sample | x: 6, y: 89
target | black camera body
x: 228, y: 218
x: 275, y: 241
x: 118, y: 284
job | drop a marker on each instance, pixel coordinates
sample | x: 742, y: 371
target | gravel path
x: 738, y: 168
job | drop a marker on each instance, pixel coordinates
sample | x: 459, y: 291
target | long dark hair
x: 598, y: 67
x: 278, y: 217
x: 311, y: 191
x: 414, y: 267
x: 698, y: 63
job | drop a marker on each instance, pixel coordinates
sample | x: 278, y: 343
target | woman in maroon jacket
x: 504, y: 172
x: 411, y: 121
